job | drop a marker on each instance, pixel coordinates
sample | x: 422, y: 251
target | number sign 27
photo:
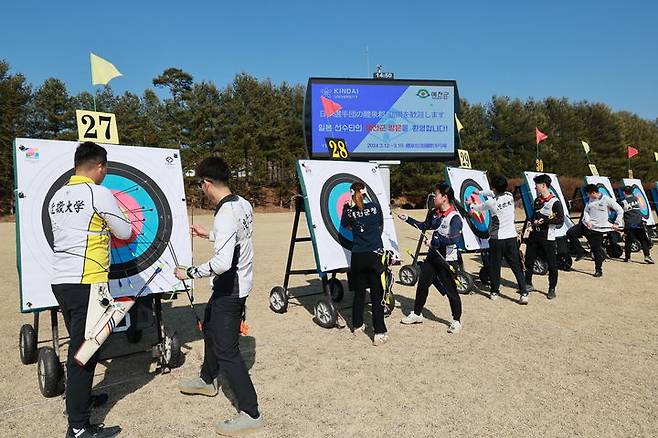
x: 337, y: 147
x: 95, y: 126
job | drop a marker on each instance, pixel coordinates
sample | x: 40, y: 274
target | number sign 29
x: 95, y: 126
x: 337, y: 147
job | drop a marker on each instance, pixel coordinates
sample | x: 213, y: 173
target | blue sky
x: 600, y: 51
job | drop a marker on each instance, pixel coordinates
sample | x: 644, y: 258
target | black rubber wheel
x: 615, y: 251
x: 635, y: 246
x: 408, y: 275
x: 540, y: 267
x: 324, y: 313
x: 564, y: 262
x: 27, y: 344
x: 172, y: 355
x: 484, y: 276
x: 50, y: 373
x: 336, y: 289
x: 278, y: 300
x: 133, y: 336
x: 464, y: 282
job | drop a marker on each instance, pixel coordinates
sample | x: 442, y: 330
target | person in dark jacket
x: 634, y: 227
x: 365, y: 219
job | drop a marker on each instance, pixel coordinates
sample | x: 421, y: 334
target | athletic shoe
x: 241, y: 424
x: 649, y: 260
x: 523, y: 299
x: 551, y: 293
x: 197, y: 386
x: 598, y: 274
x: 93, y: 431
x: 359, y: 330
x: 380, y: 339
x: 493, y: 296
x: 455, y: 327
x: 412, y: 318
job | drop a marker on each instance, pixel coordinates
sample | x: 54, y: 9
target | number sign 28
x: 95, y: 126
x: 337, y: 147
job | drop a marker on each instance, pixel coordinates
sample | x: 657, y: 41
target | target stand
x: 147, y: 184
x: 324, y: 188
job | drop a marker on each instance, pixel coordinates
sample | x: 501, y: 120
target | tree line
x: 256, y: 126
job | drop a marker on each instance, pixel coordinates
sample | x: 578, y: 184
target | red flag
x: 632, y: 152
x: 330, y: 107
x: 540, y: 135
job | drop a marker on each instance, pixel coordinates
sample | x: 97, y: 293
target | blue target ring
x: 336, y: 202
x: 643, y: 201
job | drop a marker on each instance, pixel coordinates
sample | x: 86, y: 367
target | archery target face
x: 529, y: 194
x: 640, y: 194
x: 326, y: 188
x: 148, y: 186
x: 465, y: 182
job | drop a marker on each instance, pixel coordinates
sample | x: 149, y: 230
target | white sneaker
x: 359, y: 330
x: 380, y: 339
x: 649, y: 260
x: 412, y: 318
x: 493, y: 296
x: 523, y: 299
x: 455, y: 327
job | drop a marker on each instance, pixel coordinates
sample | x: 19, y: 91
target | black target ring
x: 466, y: 190
x: 329, y: 193
x: 156, y: 247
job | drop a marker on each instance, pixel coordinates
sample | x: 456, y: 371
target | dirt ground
x: 582, y: 365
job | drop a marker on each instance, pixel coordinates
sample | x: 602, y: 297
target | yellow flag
x: 459, y: 124
x: 102, y: 71
x: 655, y: 154
x: 585, y: 146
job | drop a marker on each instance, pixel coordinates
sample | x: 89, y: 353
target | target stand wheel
x: 172, y: 356
x: 635, y: 246
x: 564, y: 262
x: 336, y: 289
x: 464, y: 282
x: 27, y: 344
x: 614, y: 250
x: 540, y: 267
x: 278, y: 300
x: 324, y: 313
x: 408, y: 275
x: 50, y: 373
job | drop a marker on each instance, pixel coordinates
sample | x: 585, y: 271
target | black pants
x: 595, y: 239
x: 536, y: 245
x: 221, y: 335
x: 639, y: 234
x: 509, y: 249
x: 366, y: 272
x: 430, y: 271
x: 73, y: 300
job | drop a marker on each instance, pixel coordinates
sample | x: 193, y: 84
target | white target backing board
x: 643, y: 199
x: 465, y: 182
x: 148, y: 185
x: 325, y: 186
x: 529, y: 194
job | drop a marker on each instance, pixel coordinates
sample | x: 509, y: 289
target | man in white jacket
x: 594, y: 224
x: 231, y: 273
x: 84, y: 216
